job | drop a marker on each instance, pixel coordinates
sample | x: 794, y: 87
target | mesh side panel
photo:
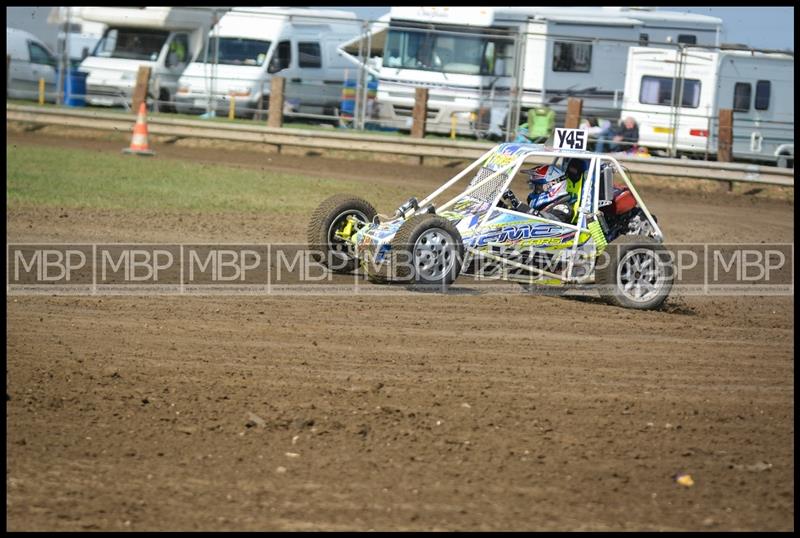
x: 489, y: 190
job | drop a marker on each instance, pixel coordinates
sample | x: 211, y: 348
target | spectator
x: 627, y: 136
x: 601, y: 129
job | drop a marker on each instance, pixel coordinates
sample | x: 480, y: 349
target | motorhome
x: 467, y: 58
x: 250, y: 45
x: 165, y: 39
x: 30, y: 60
x: 676, y: 96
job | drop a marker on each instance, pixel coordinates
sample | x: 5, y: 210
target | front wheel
x: 427, y: 251
x: 635, y: 273
x: 165, y: 103
x: 330, y: 224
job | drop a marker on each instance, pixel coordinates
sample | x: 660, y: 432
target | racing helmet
x: 541, y: 177
x: 551, y: 192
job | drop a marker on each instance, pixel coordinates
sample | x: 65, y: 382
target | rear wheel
x: 427, y: 251
x: 330, y: 217
x: 636, y: 274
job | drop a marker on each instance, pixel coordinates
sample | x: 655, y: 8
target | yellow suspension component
x: 347, y: 231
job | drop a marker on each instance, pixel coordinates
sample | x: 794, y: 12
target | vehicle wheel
x: 257, y: 111
x: 785, y: 161
x: 636, y: 274
x: 427, y: 250
x: 330, y: 217
x: 165, y: 103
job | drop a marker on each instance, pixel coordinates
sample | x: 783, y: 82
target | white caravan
x: 757, y: 86
x: 250, y: 45
x: 30, y: 61
x: 466, y: 57
x: 165, y: 39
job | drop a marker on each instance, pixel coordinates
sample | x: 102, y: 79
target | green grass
x: 57, y: 177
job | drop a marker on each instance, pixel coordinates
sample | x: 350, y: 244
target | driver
x: 549, y: 197
x: 555, y: 193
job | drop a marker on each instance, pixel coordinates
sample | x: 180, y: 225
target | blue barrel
x: 75, y: 88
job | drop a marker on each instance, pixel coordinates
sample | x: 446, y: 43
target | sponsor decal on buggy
x: 503, y: 157
x: 518, y: 232
x: 470, y: 205
x: 383, y: 231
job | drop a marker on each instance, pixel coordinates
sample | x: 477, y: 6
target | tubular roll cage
x: 590, y: 191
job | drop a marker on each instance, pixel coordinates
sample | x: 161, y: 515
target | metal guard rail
x: 183, y: 128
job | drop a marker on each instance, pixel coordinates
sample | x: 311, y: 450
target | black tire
x: 785, y: 161
x: 326, y: 219
x: 257, y: 111
x: 613, y: 283
x: 415, y: 263
x: 165, y: 101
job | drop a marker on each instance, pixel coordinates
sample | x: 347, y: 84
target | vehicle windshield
x: 447, y: 52
x: 131, y: 44
x: 236, y: 51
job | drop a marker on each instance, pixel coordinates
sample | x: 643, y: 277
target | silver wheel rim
x: 337, y: 246
x: 434, y: 254
x: 640, y: 275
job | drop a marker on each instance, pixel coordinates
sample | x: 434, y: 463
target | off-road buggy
x: 613, y: 243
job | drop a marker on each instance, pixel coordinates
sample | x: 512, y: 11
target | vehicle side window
x: 762, y: 94
x: 658, y: 91
x: 497, y: 59
x: 40, y: 55
x: 178, y: 50
x: 741, y: 96
x: 644, y: 39
x: 309, y: 55
x: 282, y: 57
x: 689, y: 39
x: 572, y: 57
x: 105, y: 47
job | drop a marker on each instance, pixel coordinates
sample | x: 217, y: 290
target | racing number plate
x: 570, y: 138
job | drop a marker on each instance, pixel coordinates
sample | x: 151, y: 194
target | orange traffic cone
x: 139, y: 144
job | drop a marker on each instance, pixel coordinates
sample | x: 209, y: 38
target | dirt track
x: 463, y: 411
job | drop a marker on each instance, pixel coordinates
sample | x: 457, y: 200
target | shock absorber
x: 596, y: 230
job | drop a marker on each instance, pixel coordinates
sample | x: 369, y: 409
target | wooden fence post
x: 574, y: 109
x: 140, y: 91
x: 725, y: 136
x: 420, y: 112
x: 275, y: 117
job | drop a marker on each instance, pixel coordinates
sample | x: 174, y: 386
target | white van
x: 31, y: 60
x: 249, y: 45
x: 165, y: 39
x: 758, y: 87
